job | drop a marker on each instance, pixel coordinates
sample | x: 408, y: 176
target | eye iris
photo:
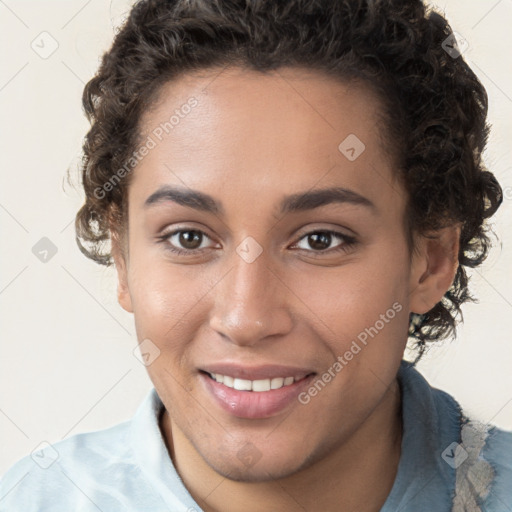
x: 189, y: 239
x: 320, y: 240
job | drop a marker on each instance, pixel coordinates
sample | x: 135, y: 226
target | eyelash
x: 348, y: 241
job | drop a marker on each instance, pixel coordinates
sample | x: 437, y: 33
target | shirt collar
x: 153, y: 458
x: 431, y: 423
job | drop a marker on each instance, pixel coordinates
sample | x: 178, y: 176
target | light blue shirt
x: 127, y: 467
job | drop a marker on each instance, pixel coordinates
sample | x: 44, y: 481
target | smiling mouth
x: 272, y: 389
x: 256, y: 386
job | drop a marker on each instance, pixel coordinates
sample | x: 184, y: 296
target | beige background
x: 67, y: 362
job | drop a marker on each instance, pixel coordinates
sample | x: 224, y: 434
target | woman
x: 291, y: 191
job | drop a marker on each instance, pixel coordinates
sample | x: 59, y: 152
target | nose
x: 251, y: 302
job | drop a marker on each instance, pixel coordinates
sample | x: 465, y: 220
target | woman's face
x: 280, y: 196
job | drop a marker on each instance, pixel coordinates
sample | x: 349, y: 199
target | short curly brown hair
x: 434, y: 106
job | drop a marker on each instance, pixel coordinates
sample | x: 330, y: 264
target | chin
x: 262, y: 470
x: 254, y: 475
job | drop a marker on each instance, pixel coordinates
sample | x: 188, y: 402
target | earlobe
x: 123, y: 290
x: 434, y: 268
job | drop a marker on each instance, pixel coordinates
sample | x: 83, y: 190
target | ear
x: 120, y: 261
x: 433, y: 269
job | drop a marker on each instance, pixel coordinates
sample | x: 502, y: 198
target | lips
x: 259, y: 402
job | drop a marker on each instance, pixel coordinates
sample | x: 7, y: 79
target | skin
x: 251, y: 140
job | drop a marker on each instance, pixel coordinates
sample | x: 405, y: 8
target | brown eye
x: 186, y: 241
x: 190, y: 239
x: 319, y: 240
x: 325, y: 241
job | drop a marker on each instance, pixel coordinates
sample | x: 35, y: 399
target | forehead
x: 256, y: 136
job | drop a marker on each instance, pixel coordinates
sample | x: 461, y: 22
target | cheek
x: 352, y: 297
x: 168, y: 307
x: 167, y: 302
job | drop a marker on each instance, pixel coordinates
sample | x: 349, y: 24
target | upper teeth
x: 252, y: 385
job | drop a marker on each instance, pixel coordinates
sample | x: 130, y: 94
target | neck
x: 357, y: 475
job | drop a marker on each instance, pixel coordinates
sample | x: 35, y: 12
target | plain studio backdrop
x: 67, y: 356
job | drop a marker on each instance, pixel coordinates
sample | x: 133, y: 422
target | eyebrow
x: 185, y: 197
x: 321, y: 197
x: 302, y: 201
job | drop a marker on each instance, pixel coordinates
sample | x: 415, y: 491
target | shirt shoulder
x: 483, y: 462
x: 448, y: 461
x: 84, y: 472
x: 498, y: 453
